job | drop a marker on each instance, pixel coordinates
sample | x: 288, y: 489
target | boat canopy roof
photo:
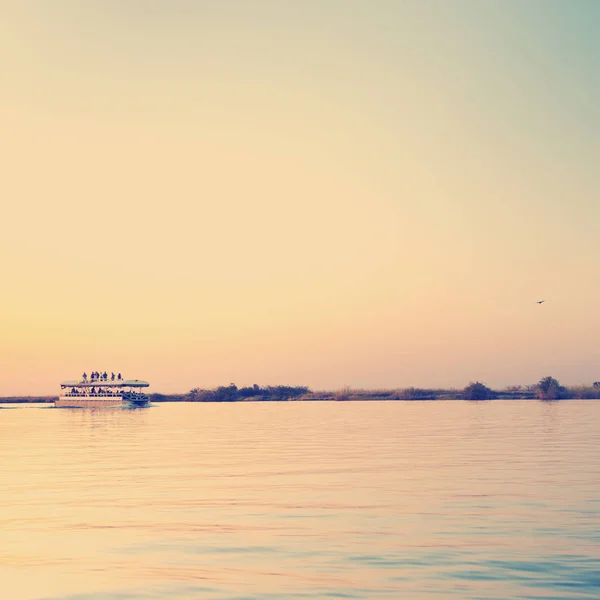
x: 101, y: 383
x: 135, y: 383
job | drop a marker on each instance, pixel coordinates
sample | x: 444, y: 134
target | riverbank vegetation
x: 27, y: 399
x: 232, y: 393
x: 548, y: 388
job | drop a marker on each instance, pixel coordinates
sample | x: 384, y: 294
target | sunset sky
x: 329, y: 193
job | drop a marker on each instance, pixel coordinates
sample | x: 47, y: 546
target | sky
x: 331, y: 193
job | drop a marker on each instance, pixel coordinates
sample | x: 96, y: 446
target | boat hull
x: 96, y: 402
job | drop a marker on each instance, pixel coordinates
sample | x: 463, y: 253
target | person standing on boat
x: 84, y: 376
x: 112, y: 376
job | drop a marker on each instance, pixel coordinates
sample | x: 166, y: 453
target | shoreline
x: 18, y: 400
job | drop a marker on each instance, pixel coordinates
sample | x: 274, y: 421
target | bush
x: 199, y: 395
x: 413, y: 393
x: 549, y: 389
x: 583, y: 392
x: 478, y: 391
x: 250, y: 392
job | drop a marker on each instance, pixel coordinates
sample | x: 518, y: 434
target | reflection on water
x: 373, y: 500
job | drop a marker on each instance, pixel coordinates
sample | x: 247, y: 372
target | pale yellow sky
x: 330, y: 193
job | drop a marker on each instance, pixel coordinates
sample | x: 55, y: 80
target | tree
x: 550, y: 389
x: 250, y: 392
x: 194, y: 394
x: 225, y: 393
x: 478, y: 391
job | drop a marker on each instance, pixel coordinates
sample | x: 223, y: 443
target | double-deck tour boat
x: 100, y: 390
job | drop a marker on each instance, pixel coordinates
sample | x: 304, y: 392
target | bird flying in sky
x: 540, y: 301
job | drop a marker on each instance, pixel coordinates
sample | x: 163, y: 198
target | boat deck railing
x: 94, y: 395
x: 105, y: 394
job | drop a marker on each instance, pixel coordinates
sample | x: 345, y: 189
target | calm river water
x: 263, y: 501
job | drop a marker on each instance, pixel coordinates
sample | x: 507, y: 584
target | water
x: 370, y: 500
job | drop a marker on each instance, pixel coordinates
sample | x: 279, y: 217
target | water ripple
x: 369, y: 500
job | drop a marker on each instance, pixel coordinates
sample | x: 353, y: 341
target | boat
x: 101, y: 390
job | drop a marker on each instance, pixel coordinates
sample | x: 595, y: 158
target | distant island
x: 548, y: 388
